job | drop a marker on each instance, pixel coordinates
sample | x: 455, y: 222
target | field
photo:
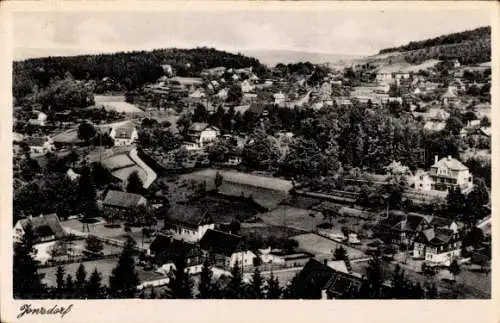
x: 265, y: 231
x: 266, y: 191
x: 118, y: 161
x: 299, y: 219
x: 224, y: 210
x: 104, y: 266
x: 116, y: 103
x: 323, y: 247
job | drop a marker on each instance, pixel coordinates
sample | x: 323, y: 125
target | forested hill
x: 471, y: 46
x: 131, y: 69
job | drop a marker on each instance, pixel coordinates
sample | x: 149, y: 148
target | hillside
x: 273, y: 57
x: 129, y: 69
x: 469, y: 47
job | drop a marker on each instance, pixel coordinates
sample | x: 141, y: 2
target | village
x: 305, y: 175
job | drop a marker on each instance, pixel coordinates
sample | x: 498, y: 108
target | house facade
x: 201, y: 134
x: 124, y: 136
x: 188, y: 224
x: 446, y: 173
x: 225, y: 249
x: 437, y: 246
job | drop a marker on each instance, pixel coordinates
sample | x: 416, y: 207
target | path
x: 151, y: 175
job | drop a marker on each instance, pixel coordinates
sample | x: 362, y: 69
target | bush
x: 325, y: 225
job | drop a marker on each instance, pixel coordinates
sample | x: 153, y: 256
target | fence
x: 74, y: 259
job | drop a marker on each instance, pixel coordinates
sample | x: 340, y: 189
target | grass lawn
x: 224, y: 210
x: 322, y: 247
x: 292, y: 217
x: 266, y: 231
x: 104, y: 266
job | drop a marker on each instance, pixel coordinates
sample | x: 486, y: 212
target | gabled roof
x: 317, y: 276
x: 404, y: 222
x: 186, y: 215
x: 124, y: 132
x: 450, y: 163
x: 122, y: 199
x: 166, y: 249
x: 199, y: 126
x: 436, y: 236
x: 220, y: 242
x: 45, y: 225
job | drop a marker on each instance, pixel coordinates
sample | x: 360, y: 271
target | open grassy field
x: 322, y: 247
x: 104, y: 266
x: 292, y: 217
x: 224, y: 210
x: 116, y: 103
x: 266, y: 231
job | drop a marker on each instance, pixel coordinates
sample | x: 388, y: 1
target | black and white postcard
x: 306, y: 157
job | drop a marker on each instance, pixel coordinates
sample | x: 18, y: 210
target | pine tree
x: 81, y: 280
x: 205, y: 286
x: 70, y: 286
x: 274, y: 290
x: 181, y: 285
x: 234, y: 289
x: 134, y: 183
x: 60, y: 279
x: 124, y: 279
x: 374, y: 278
x: 454, y: 268
x: 256, y: 285
x: 340, y: 253
x: 152, y: 294
x: 94, y: 285
x: 26, y: 280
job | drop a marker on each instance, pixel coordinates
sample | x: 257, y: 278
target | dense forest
x: 129, y: 69
x: 469, y: 47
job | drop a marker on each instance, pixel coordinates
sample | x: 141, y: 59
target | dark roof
x: 45, y: 225
x: 187, y: 215
x: 166, y: 249
x: 404, y: 222
x: 316, y: 275
x: 198, y: 126
x: 256, y: 108
x: 35, y: 141
x: 121, y: 199
x: 220, y: 242
x: 440, y: 222
x: 124, y: 132
x: 437, y: 236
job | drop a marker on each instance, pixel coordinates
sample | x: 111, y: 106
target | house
x: 401, y: 228
x: 124, y: 136
x: 47, y: 229
x: 225, y: 249
x: 39, y: 145
x: 122, y: 200
x: 246, y: 86
x: 455, y: 63
x: 167, y: 69
x: 197, y: 95
x: 279, y: 98
x: 39, y: 120
x: 222, y: 94
x: 72, y: 175
x: 438, y: 246
x: 450, y: 96
x: 249, y: 98
x: 327, y: 280
x: 188, y: 223
x: 444, y: 174
x: 165, y: 249
x: 434, y: 126
x: 202, y: 134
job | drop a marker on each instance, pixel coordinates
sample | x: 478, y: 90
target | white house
x: 246, y: 86
x: 225, y: 249
x: 124, y: 136
x: 279, y: 98
x: 46, y: 228
x: 222, y: 94
x: 443, y: 175
x: 40, y: 120
x: 437, y: 246
x: 202, y: 134
x: 39, y: 145
x: 187, y: 223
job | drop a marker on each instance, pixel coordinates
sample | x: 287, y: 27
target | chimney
x: 435, y: 159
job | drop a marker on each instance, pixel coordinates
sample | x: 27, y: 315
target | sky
x: 351, y: 32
